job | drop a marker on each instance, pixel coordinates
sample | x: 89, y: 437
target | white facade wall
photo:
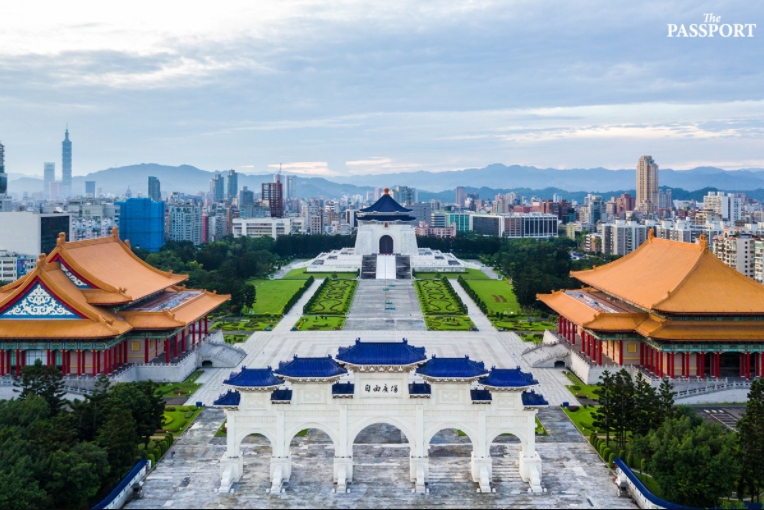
x: 259, y: 227
x: 369, y: 234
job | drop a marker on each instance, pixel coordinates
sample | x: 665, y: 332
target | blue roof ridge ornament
x: 318, y: 369
x: 381, y: 356
x: 254, y: 379
x: 508, y: 379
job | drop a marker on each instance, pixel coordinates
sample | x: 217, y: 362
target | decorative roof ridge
x: 83, y: 273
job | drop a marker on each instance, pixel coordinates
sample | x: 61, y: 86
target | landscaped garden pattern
x: 333, y: 297
x: 442, y: 307
x: 327, y: 308
x: 470, y: 274
x: 181, y: 389
x: 245, y: 325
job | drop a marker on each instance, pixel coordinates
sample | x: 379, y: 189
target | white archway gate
x: 478, y: 403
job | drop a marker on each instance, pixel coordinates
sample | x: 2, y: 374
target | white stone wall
x: 404, y: 238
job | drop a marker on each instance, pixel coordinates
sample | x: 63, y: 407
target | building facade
x: 66, y: 166
x: 623, y: 237
x: 142, y: 222
x: 49, y: 177
x: 32, y: 233
x: 671, y: 308
x: 186, y: 222
x: 155, y: 189
x: 647, y: 185
x: 91, y: 307
x: 259, y: 227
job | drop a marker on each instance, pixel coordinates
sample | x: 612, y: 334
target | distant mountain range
x: 488, y: 181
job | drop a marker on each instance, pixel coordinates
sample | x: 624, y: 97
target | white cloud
x: 310, y: 168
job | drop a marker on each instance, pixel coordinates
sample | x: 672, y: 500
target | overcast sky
x: 343, y: 86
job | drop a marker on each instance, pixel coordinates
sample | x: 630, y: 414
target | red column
x: 64, y: 362
x: 747, y: 373
x: 671, y: 365
x: 620, y: 353
x: 206, y: 325
x: 98, y: 361
x: 2, y: 362
x: 167, y: 350
x: 701, y: 362
x: 106, y: 353
x: 183, y: 345
x: 145, y: 350
x: 757, y: 364
x: 718, y: 364
x: 599, y: 352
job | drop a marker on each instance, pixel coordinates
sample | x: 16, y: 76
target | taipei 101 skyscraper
x: 66, y: 166
x: 3, y: 177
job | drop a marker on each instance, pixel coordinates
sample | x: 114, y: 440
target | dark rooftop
x: 253, y: 378
x: 381, y: 353
x: 452, y: 368
x: 385, y: 204
x: 310, y: 368
x: 230, y: 398
x: 533, y: 399
x: 508, y: 378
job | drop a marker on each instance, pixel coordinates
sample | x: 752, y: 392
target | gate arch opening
x: 385, y: 440
x: 312, y: 451
x: 386, y: 245
x: 449, y: 451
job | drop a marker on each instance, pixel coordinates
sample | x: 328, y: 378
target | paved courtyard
x: 385, y: 306
x: 574, y: 477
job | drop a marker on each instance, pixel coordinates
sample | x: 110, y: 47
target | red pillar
x: 125, y: 352
x: 599, y: 352
x: 2, y: 362
x: 757, y: 364
x: 167, y: 350
x: 718, y: 364
x: 620, y: 353
x: 183, y: 345
x: 98, y: 361
x: 65, y: 362
x: 206, y: 325
x: 145, y: 350
x: 671, y: 365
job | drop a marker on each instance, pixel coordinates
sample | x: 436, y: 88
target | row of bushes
x: 474, y: 295
x: 159, y: 448
x: 297, y: 295
x: 607, y: 454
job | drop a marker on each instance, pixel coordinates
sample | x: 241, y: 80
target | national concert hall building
x: 672, y: 308
x: 91, y: 307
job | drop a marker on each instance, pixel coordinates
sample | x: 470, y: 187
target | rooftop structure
x: 665, y: 299
x: 86, y: 301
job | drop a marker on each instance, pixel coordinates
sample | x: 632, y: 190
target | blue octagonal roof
x: 381, y: 353
x: 452, y: 368
x: 230, y: 398
x: 508, y: 378
x: 253, y: 378
x: 310, y: 368
x: 385, y: 204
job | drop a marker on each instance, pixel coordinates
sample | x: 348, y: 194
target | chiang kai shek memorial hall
x: 91, y: 307
x: 672, y: 309
x: 390, y: 383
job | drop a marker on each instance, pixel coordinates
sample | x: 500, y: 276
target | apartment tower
x: 647, y: 185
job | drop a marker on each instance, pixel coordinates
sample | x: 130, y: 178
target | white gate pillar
x: 530, y: 461
x: 343, y: 459
x: 232, y: 463
x: 281, y: 459
x: 480, y: 463
x: 419, y: 462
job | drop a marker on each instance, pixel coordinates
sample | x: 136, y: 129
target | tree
x: 249, y: 295
x: 603, y: 416
x: 144, y: 404
x: 751, y: 456
x: 74, y: 476
x: 693, y: 466
x: 118, y: 436
x: 623, y: 403
x: 646, y: 415
x: 44, y: 381
x: 90, y: 413
x: 666, y: 398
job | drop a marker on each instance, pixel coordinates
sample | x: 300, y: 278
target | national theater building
x: 672, y: 308
x: 91, y: 307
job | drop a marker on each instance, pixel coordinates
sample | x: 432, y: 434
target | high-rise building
x: 142, y: 222
x: 623, y: 237
x: 291, y: 187
x: 186, y: 222
x: 90, y: 189
x: 726, y: 205
x: 273, y: 194
x: 49, y: 177
x: 217, y: 188
x: 665, y: 199
x: 405, y: 195
x: 32, y: 233
x: 66, y: 166
x: 647, y: 185
x: 3, y: 177
x: 155, y: 189
x: 737, y: 250
x: 461, y: 196
x: 232, y: 183
x: 246, y: 197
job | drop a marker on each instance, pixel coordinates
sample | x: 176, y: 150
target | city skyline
x: 390, y: 93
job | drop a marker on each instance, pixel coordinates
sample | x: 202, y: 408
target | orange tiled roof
x: 675, y: 277
x: 179, y: 316
x: 111, y: 266
x: 586, y: 316
x: 700, y: 331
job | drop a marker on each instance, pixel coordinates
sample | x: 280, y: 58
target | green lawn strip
x: 448, y: 323
x: 582, y: 419
x: 178, y: 418
x: 540, y: 430
x: 498, y: 295
x: 302, y: 274
x: 578, y: 388
x: 521, y: 325
x: 235, y: 339
x: 469, y: 274
x: 320, y: 323
x: 333, y: 298
x: 181, y: 389
x: 650, y: 483
x: 273, y: 295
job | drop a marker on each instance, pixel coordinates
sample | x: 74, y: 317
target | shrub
x: 188, y: 415
x: 152, y: 459
x: 575, y: 387
x: 611, y: 458
x: 572, y: 409
x: 170, y: 409
x: 643, y: 465
x: 630, y: 460
x: 620, y: 454
x: 169, y: 438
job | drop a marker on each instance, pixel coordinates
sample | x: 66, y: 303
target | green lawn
x: 469, y: 274
x: 517, y: 324
x: 320, y: 323
x: 435, y: 298
x: 448, y: 323
x: 650, y: 483
x: 181, y: 389
x: 535, y: 338
x: 178, y: 418
x: 540, y: 430
x: 235, y: 339
x: 498, y: 295
x: 582, y: 419
x: 254, y: 324
x: 334, y: 298
x: 273, y: 295
x: 578, y: 388
x: 302, y: 274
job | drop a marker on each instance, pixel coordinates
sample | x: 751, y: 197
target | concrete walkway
x: 290, y: 319
x: 480, y: 320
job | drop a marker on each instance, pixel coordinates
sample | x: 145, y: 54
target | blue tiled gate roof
x: 452, y: 368
x: 381, y: 353
x: 254, y: 378
x: 230, y: 398
x: 310, y: 368
x: 385, y: 204
x: 508, y: 378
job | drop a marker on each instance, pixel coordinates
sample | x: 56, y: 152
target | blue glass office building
x: 141, y: 220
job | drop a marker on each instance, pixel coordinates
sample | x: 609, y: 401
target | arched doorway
x: 381, y: 455
x: 505, y: 450
x: 449, y: 452
x: 312, y: 453
x: 385, y: 245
